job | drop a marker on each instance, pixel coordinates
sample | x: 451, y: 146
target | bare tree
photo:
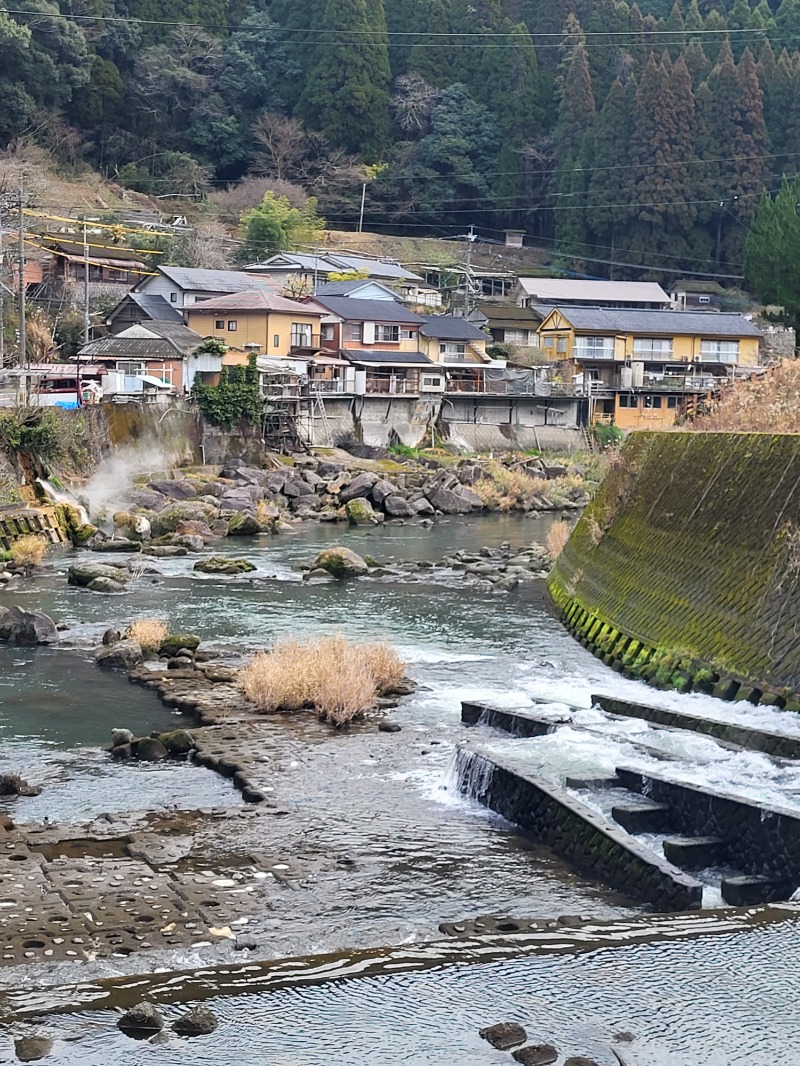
x: 412, y: 103
x: 234, y: 200
x: 207, y: 246
x: 283, y: 146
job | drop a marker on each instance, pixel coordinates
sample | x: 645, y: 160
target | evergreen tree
x: 573, y: 149
x: 693, y: 20
x: 772, y: 251
x: 696, y: 62
x: 346, y: 92
x: 610, y: 179
x: 434, y: 55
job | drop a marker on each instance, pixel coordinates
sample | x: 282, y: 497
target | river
x: 386, y: 847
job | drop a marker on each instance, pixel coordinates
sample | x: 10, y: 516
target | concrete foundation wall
x: 685, y: 568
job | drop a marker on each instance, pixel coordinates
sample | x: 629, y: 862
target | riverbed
x: 380, y: 846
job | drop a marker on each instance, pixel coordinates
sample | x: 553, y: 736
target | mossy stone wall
x: 685, y: 568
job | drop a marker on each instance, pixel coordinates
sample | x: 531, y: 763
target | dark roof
x: 451, y: 327
x: 155, y: 308
x: 508, y: 316
x: 712, y: 287
x: 697, y: 323
x: 344, y: 288
x: 258, y: 300
x: 371, y: 357
x: 156, y: 340
x: 355, y: 310
x: 101, y: 249
x: 214, y: 281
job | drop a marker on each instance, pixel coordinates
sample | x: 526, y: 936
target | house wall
x: 685, y: 347
x: 253, y: 328
x: 475, y: 352
x: 641, y: 417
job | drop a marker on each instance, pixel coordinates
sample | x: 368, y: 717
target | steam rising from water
x: 110, y: 486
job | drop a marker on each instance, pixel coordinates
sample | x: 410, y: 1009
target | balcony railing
x: 305, y: 340
x: 584, y: 351
x: 393, y: 386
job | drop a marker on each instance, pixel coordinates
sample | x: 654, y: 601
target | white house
x: 182, y: 287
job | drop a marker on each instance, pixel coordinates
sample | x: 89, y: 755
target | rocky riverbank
x: 191, y: 509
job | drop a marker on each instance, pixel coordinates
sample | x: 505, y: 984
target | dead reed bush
x: 557, y: 537
x: 28, y: 551
x: 148, y: 633
x: 338, y: 678
x: 503, y: 489
x: 385, y: 665
x: 767, y: 404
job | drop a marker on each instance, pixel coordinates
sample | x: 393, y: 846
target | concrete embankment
x: 685, y: 568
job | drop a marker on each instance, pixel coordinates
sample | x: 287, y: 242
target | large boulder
x: 132, y: 526
x: 14, y: 785
x: 100, y: 543
x: 244, y: 524
x: 176, y: 641
x: 381, y: 489
x: 150, y: 749
x: 175, y: 490
x: 167, y: 551
x: 360, y: 512
x: 361, y: 485
x: 124, y: 655
x: 26, y: 628
x: 168, y: 520
x: 222, y: 565
x: 105, y: 584
x: 341, y: 562
x: 398, y: 507
x: 446, y: 501
x: 32, y: 1048
x: 83, y: 574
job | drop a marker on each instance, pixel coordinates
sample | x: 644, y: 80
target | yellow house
x: 458, y: 345
x: 257, y: 321
x: 646, y: 368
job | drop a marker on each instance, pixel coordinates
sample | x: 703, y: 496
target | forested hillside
x: 608, y: 132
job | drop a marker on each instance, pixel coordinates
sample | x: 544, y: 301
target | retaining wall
x: 582, y: 836
x: 685, y: 568
x: 15, y: 523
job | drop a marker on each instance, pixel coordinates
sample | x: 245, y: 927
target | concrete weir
x: 582, y: 836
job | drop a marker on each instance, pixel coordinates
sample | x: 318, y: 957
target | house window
x: 548, y: 342
x: 130, y: 370
x: 652, y: 347
x: 356, y: 331
x: 652, y: 403
x: 276, y: 340
x: 704, y: 299
x: 672, y: 402
x: 219, y: 323
x: 388, y: 333
x: 594, y: 347
x: 452, y: 348
x: 431, y: 382
x: 327, y: 333
x: 407, y: 334
x: 719, y: 351
x: 233, y: 325
x: 562, y: 344
x: 301, y: 335
x: 173, y: 297
x: 627, y: 399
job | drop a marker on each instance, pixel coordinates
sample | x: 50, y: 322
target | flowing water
x: 385, y: 807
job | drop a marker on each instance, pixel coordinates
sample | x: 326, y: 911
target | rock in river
x: 504, y: 1035
x: 150, y: 749
x: 341, y: 562
x: 536, y: 1055
x: 220, y: 565
x: 32, y: 1048
x: 83, y: 574
x: 105, y: 584
x: 123, y: 655
x: 26, y: 628
x: 141, y: 1021
x: 176, y: 641
x: 361, y: 513
x: 244, y: 524
x: 13, y: 785
x: 198, y: 1022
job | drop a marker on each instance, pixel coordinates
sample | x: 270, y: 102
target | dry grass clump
x: 28, y: 551
x: 148, y: 633
x: 338, y: 678
x: 557, y: 537
x: 504, y: 489
x: 767, y: 404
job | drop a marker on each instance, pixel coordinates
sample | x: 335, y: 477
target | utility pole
x: 23, y: 340
x: 85, y: 284
x: 468, y: 269
x: 363, y: 201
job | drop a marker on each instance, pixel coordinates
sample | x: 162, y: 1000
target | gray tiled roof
x: 354, y: 310
x: 553, y: 290
x: 451, y: 327
x: 344, y: 288
x: 673, y: 323
x: 170, y: 339
x: 155, y: 307
x: 214, y: 281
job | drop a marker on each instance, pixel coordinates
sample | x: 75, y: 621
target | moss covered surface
x: 685, y: 568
